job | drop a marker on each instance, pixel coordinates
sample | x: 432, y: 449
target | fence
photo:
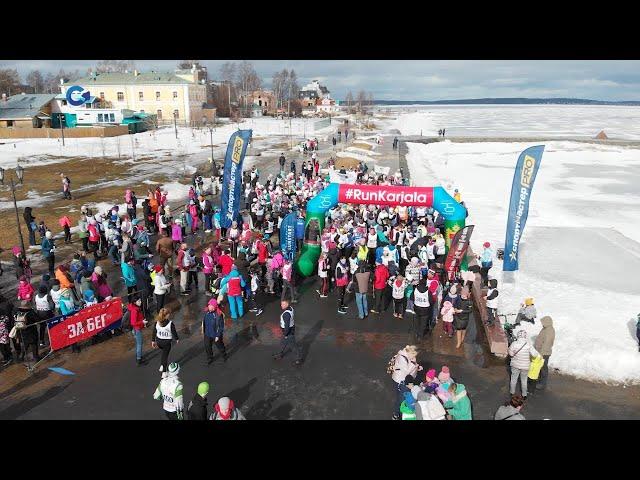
x: 77, y: 132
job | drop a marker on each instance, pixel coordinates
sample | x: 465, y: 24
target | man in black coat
x: 198, y: 406
x: 282, y: 161
x: 28, y: 335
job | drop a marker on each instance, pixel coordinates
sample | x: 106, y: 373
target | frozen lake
x: 619, y: 122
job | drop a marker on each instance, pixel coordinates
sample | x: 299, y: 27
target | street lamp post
x: 20, y: 175
x: 214, y: 166
x: 62, y: 120
x: 175, y: 123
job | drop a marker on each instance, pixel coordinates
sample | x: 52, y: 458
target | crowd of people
x: 379, y: 257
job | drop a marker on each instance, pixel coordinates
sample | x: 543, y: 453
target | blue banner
x: 232, y: 180
x: 288, y: 236
x: 523, y: 179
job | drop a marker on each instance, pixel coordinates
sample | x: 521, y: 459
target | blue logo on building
x: 77, y: 100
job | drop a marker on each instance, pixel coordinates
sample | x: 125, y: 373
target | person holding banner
x: 164, y: 332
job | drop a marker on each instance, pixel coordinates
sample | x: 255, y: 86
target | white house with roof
x: 89, y: 113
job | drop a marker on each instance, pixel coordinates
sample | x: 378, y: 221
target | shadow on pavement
x: 241, y: 395
x: 310, y: 337
x: 24, y: 406
x: 40, y: 375
x: 263, y: 410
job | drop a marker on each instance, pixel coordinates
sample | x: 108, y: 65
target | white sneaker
x: 207, y: 231
x: 410, y: 311
x: 160, y: 369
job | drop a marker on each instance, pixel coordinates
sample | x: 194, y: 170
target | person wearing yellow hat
x: 527, y: 312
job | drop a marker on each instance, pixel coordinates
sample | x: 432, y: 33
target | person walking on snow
x: 170, y: 390
x: 66, y: 187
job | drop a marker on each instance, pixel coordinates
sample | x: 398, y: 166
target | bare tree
x: 292, y: 85
x: 9, y: 81
x: 228, y: 76
x: 361, y: 101
x: 277, y: 84
x: 349, y: 100
x: 187, y: 64
x: 115, y: 66
x: 247, y: 80
x: 36, y: 81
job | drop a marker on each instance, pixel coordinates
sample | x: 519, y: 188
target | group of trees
x: 238, y: 81
x: 285, y: 89
x: 361, y: 104
x: 34, y: 82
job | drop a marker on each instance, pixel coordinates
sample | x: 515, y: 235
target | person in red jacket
x: 138, y: 322
x: 263, y: 254
x: 226, y: 262
x: 380, y: 277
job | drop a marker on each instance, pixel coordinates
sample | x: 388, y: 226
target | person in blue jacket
x: 48, y: 249
x: 300, y: 232
x: 129, y: 277
x: 213, y: 330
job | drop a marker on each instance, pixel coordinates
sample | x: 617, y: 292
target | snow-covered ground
x: 275, y: 126
x: 580, y: 247
x: 619, y: 122
x: 161, y: 142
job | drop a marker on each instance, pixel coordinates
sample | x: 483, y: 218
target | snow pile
x: 620, y: 122
x: 357, y: 156
x: 584, y: 218
x: 363, y: 151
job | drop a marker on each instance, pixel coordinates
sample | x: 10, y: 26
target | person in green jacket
x: 458, y: 406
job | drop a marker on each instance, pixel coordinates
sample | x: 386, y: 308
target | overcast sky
x: 428, y: 79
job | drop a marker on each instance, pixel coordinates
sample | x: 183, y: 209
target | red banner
x: 386, y: 195
x: 458, y: 248
x: 85, y: 324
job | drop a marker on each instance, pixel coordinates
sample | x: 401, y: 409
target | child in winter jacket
x: 459, y: 405
x: 25, y: 290
x: 447, y: 318
x: 492, y: 301
x: 66, y: 224
x: 398, y: 287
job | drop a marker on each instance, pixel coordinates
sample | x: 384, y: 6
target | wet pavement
x: 343, y: 376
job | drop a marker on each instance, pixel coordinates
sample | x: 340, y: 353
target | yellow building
x: 165, y: 94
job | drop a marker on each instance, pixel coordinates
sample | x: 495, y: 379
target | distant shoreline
x: 507, y: 101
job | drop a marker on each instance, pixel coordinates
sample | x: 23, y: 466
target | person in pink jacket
x: 65, y: 223
x: 25, y: 290
x: 176, y: 233
x: 245, y: 236
x: 447, y: 318
x: 207, y: 270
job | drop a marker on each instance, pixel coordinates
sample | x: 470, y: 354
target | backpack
x: 391, y: 366
x: 68, y: 181
x: 21, y: 320
x: 126, y: 321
